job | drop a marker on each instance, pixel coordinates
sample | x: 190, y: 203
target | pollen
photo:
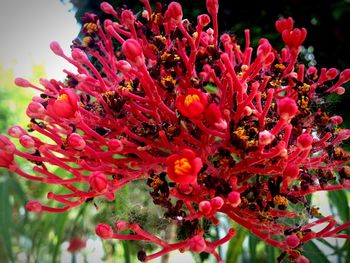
x: 63, y: 97
x: 168, y: 81
x: 280, y: 201
x: 86, y: 41
x: 241, y: 133
x: 190, y: 99
x: 182, y: 166
x: 280, y: 66
x: 90, y: 28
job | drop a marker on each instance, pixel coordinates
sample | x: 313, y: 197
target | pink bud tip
x: 203, y: 20
x: 302, y: 259
x: 133, y: 52
x: 284, y: 24
x: 344, y: 76
x: 287, y: 108
x: 26, y: 141
x: 340, y: 90
x: 304, y: 141
x: 107, y: 8
x: 291, y: 171
x: 76, y: 141
x: 266, y: 137
x: 121, y: 225
x: 22, y: 83
x: 205, y: 207
x: 197, y: 244
x: 217, y: 202
x: 332, y: 73
x: 35, y: 110
x: 234, y: 198
x: 123, y: 65
x: 174, y: 12
x: 128, y: 18
x: 16, y: 131
x: 212, y: 7
x: 115, y: 145
x: 56, y: 48
x: 336, y: 119
x: 104, y: 231
x: 292, y: 241
x: 79, y: 55
x: 185, y: 188
x: 98, y: 182
x: 34, y: 206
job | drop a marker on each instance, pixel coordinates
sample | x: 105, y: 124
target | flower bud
x: 7, y: 149
x: 98, y: 182
x: 76, y: 141
x: 104, y: 231
x: 287, y: 108
x: 331, y: 73
x: 174, y: 13
x: 197, y: 244
x: 121, y: 225
x: 344, y: 76
x: 291, y: 171
x: 336, y: 119
x: 22, y: 83
x: 217, y: 202
x: 26, y: 141
x: 266, y: 137
x: 203, y: 20
x: 234, y: 198
x: 107, y: 8
x: 185, y: 189
x: 34, y: 206
x: 292, y: 241
x: 212, y: 7
x: 16, y: 131
x: 205, y: 207
x: 79, y: 55
x: 284, y: 24
x: 304, y: 141
x: 133, y: 52
x: 56, y: 48
x: 123, y: 66
x: 340, y: 90
x: 128, y: 18
x: 35, y: 110
x: 115, y: 145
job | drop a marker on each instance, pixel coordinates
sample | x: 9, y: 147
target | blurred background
x: 27, y: 28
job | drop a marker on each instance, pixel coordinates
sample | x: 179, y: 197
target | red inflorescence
x: 205, y: 123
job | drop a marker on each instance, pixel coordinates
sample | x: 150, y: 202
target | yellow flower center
x: 190, y: 99
x: 63, y: 97
x: 182, y: 166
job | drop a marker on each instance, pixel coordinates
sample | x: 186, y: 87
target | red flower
x: 7, y: 149
x: 294, y: 38
x: 193, y: 104
x: 184, y: 167
x: 65, y: 105
x: 284, y: 24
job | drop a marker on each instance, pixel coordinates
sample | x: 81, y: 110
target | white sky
x: 26, y: 29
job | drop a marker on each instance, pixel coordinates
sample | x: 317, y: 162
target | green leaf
x: 313, y: 253
x: 340, y: 201
x: 5, y: 218
x: 211, y: 88
x: 235, y: 245
x: 59, y: 229
x: 253, y: 242
x: 271, y: 253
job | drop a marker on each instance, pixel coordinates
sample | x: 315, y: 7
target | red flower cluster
x: 196, y: 118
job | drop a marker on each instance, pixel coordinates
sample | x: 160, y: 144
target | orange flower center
x: 63, y: 97
x: 182, y: 166
x: 190, y: 99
